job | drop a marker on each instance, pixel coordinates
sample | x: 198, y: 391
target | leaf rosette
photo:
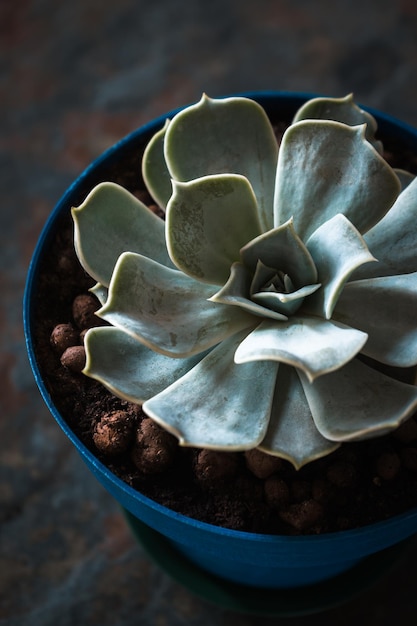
x: 268, y: 307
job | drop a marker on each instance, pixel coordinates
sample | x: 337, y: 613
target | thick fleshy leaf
x: 208, y: 221
x: 218, y: 404
x: 231, y: 135
x: 404, y: 177
x: 100, y: 292
x: 393, y: 239
x: 326, y: 168
x: 285, y: 303
x: 385, y: 308
x: 291, y: 433
x: 154, y: 169
x: 111, y: 221
x: 267, y: 278
x: 282, y: 249
x: 236, y: 292
x: 340, y: 110
x: 337, y: 249
x: 128, y: 368
x: 358, y: 402
x: 311, y: 344
x: 167, y: 310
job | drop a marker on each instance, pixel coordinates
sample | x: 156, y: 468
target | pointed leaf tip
x: 225, y: 135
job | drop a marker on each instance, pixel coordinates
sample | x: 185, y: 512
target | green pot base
x: 264, y: 602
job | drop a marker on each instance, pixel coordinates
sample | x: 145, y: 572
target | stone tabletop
x: 74, y: 78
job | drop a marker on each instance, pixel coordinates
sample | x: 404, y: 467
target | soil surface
x: 358, y: 484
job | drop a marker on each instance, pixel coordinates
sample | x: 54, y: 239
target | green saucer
x: 266, y: 602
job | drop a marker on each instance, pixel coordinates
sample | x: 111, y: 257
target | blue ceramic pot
x: 263, y: 561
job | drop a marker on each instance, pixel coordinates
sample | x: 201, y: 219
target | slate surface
x: 74, y: 78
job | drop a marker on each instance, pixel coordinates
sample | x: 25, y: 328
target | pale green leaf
x: 129, y: 369
x: 358, y: 402
x: 292, y: 434
x: 167, y: 310
x: 281, y: 248
x: 208, y: 220
x: 311, y: 344
x: 100, y: 292
x: 393, y: 240
x: 404, y: 177
x: 154, y: 169
x: 337, y: 249
x: 285, y: 303
x: 265, y: 278
x: 231, y: 135
x: 111, y: 221
x: 340, y: 110
x: 385, y: 308
x: 326, y: 168
x: 236, y: 292
x: 218, y: 404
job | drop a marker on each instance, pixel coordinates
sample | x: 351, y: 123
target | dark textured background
x: 74, y: 78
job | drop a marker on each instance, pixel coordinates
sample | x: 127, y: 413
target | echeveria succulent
x: 264, y: 311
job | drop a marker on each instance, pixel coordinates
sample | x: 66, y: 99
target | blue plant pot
x: 259, y: 561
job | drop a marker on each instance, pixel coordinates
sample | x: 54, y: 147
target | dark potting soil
x: 358, y: 484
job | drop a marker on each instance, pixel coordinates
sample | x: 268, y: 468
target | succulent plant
x: 272, y: 305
